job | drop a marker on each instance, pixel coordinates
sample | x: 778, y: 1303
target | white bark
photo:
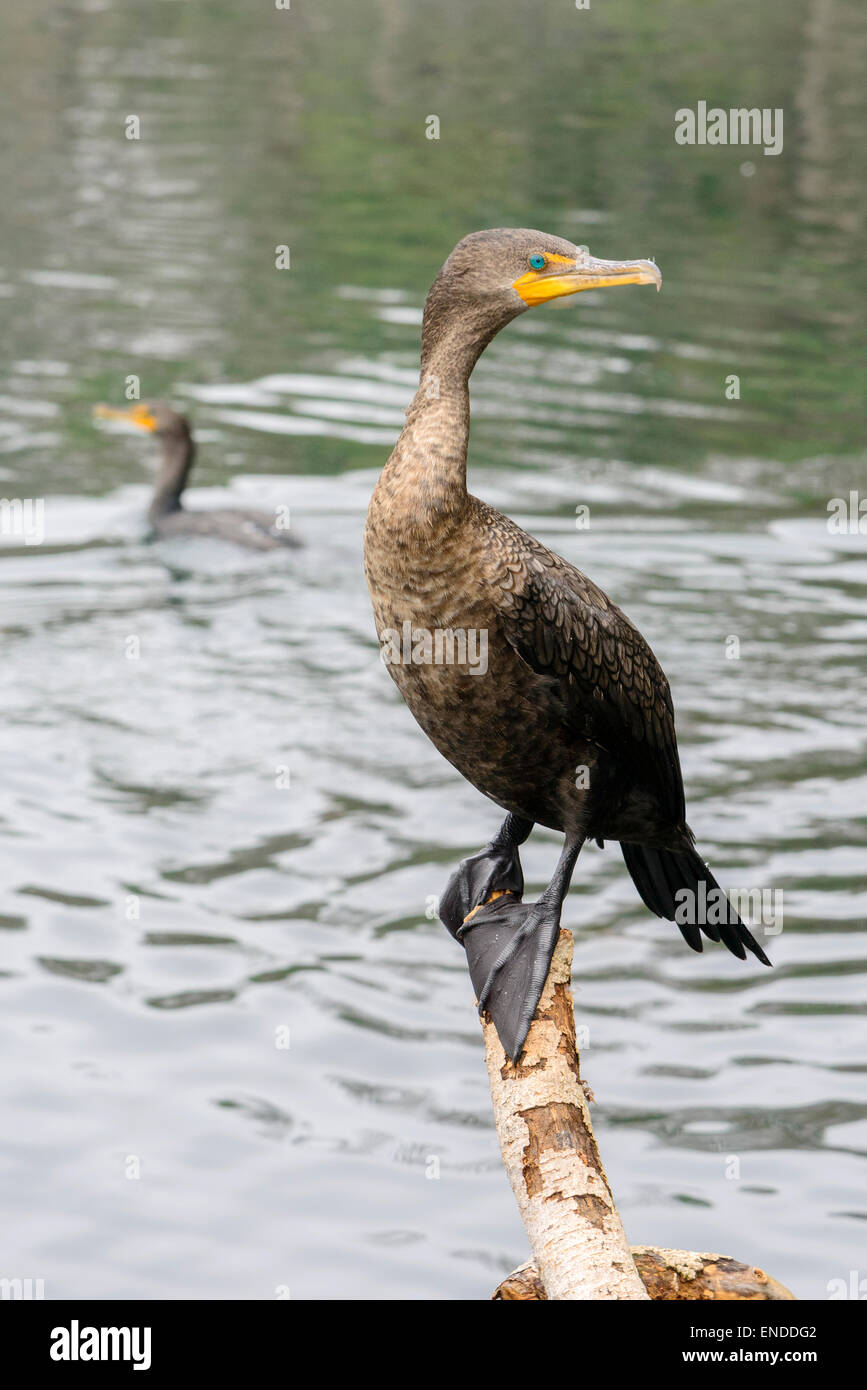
x: 549, y: 1150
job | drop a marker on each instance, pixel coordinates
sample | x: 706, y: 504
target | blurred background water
x: 168, y: 907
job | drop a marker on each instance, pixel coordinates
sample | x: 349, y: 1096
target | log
x: 550, y: 1154
x: 578, y: 1244
x: 668, y: 1274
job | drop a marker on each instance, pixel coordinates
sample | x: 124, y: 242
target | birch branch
x: 549, y: 1150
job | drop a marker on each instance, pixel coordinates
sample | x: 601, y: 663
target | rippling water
x: 218, y: 822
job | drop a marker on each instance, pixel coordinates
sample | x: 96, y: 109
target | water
x: 170, y: 906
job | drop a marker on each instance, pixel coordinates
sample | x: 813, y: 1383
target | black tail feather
x: 660, y: 874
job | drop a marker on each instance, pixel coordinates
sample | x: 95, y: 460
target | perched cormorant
x: 567, y: 719
x: 166, y: 513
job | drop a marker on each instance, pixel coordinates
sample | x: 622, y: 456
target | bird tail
x: 678, y: 885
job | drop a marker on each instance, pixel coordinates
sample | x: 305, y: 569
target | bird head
x: 524, y: 268
x: 153, y: 416
x: 491, y: 277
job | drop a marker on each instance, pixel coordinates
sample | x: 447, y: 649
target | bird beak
x: 564, y: 276
x: 137, y: 414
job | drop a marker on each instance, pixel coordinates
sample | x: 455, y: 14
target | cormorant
x: 166, y: 513
x: 568, y: 721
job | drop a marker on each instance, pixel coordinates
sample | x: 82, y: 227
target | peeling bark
x: 549, y: 1150
x: 552, y: 1160
x: 669, y: 1274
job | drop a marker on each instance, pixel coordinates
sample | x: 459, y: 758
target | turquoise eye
x: 537, y: 262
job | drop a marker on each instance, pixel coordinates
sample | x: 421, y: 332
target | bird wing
x: 609, y: 685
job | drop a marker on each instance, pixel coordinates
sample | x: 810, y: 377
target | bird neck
x: 428, y: 469
x: 425, y: 480
x: 177, y: 460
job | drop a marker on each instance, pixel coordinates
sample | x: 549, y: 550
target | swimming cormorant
x: 166, y: 513
x: 568, y: 721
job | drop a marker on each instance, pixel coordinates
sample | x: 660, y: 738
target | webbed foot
x: 495, y: 869
x: 509, y: 949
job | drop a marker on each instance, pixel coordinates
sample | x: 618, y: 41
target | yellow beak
x: 137, y: 414
x: 563, y: 276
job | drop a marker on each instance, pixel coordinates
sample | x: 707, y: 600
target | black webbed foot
x: 509, y: 949
x: 496, y: 868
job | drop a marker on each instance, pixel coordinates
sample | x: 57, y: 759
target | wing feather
x: 611, y: 688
